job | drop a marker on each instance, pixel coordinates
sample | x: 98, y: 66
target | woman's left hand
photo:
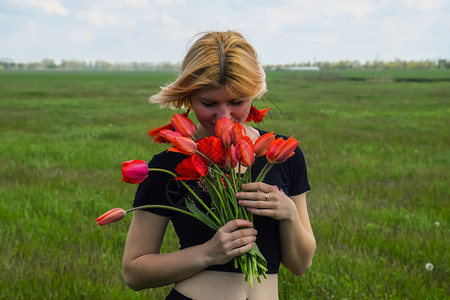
x: 266, y: 200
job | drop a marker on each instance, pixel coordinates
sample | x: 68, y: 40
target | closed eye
x: 208, y: 104
x: 236, y: 103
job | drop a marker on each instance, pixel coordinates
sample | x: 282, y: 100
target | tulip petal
x: 183, y: 125
x: 183, y: 145
x: 263, y: 143
x: 111, y: 216
x: 134, y: 171
x: 256, y: 115
x: 224, y: 130
x: 191, y: 168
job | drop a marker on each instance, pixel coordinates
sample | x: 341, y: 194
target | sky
x: 282, y: 31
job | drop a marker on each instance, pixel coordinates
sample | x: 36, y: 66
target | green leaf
x: 204, y: 218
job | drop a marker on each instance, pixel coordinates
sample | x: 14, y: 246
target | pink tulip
x: 183, y: 145
x: 111, y: 216
x: 134, y: 171
x: 263, y: 143
x: 183, y: 125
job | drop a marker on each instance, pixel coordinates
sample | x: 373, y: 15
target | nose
x: 223, y: 111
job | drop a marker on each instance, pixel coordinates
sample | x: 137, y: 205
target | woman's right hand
x: 233, y: 239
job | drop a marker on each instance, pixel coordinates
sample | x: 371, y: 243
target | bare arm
x: 297, y: 239
x: 144, y: 267
x: 296, y: 236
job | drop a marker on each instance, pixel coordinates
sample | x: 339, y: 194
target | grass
x: 377, y: 149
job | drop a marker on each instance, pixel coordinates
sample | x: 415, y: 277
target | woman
x: 220, y: 77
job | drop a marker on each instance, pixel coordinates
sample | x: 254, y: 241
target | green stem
x: 161, y: 206
x: 264, y: 171
x: 190, y: 190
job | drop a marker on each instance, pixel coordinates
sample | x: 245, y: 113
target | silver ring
x: 267, y: 197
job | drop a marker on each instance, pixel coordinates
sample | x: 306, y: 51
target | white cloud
x: 423, y: 5
x: 169, y: 20
x: 169, y: 2
x: 358, y: 9
x: 104, y: 19
x: 82, y: 36
x: 48, y: 6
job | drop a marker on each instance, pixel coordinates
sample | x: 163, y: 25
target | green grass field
x: 377, y: 148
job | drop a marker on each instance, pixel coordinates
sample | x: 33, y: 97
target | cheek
x: 203, y: 114
x: 241, y: 113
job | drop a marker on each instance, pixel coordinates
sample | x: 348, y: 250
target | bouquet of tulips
x: 212, y: 161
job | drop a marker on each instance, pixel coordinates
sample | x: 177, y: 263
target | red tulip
x: 238, y: 132
x: 191, y: 168
x: 183, y: 125
x: 286, y: 150
x: 244, y: 151
x: 224, y: 130
x: 263, y: 143
x: 156, y: 133
x: 111, y: 216
x: 281, y: 150
x: 270, y: 155
x: 183, y: 145
x: 230, y: 160
x: 134, y: 171
x: 169, y: 135
x: 256, y: 115
x: 212, y: 148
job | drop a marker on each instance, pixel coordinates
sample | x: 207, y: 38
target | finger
x: 257, y: 204
x: 241, y: 250
x: 259, y: 186
x: 260, y: 196
x: 242, y: 242
x: 235, y: 224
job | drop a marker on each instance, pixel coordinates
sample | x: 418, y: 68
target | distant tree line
x: 49, y: 64
x: 369, y: 65
x: 100, y: 65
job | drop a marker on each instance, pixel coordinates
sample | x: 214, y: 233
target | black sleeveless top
x: 160, y: 188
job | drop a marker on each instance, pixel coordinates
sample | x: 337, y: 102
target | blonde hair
x: 216, y: 60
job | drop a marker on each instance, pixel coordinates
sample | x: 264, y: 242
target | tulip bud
x: 183, y: 125
x: 244, y: 152
x: 134, y: 171
x: 111, y: 216
x: 230, y: 160
x: 169, y: 135
x: 263, y: 143
x: 184, y: 145
x: 224, y: 130
x: 286, y: 150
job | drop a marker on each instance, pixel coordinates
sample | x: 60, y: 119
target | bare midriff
x: 226, y: 285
